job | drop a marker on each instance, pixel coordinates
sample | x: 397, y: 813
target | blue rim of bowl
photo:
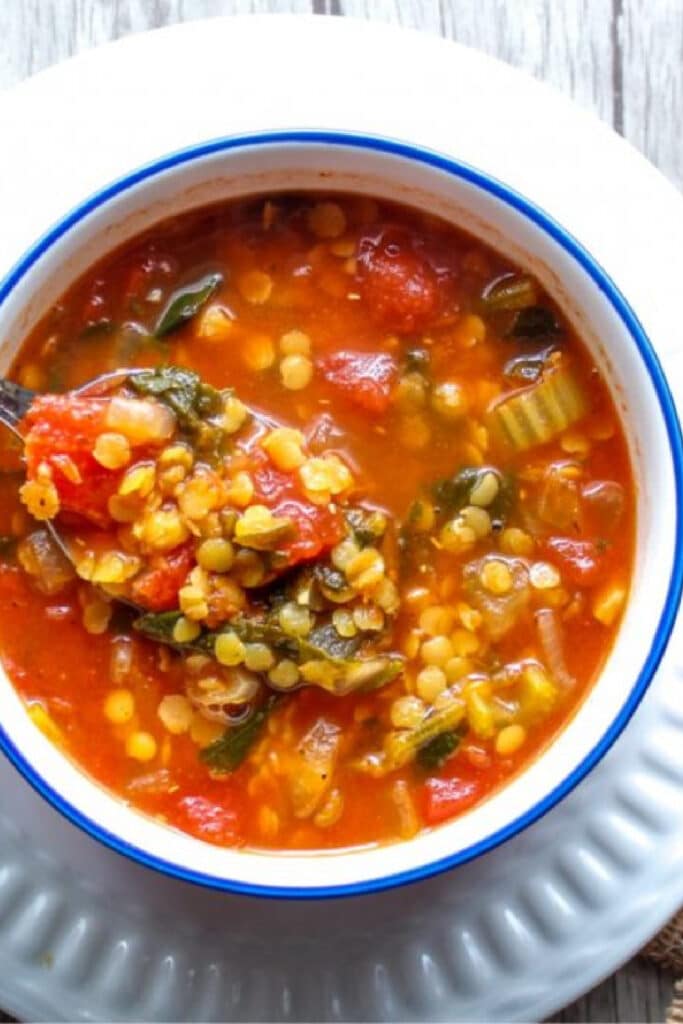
x: 542, y: 220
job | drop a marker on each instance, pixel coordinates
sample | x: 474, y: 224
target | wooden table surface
x: 622, y: 59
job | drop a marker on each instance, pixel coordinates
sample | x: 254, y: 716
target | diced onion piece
x: 141, y: 421
x: 40, y: 557
x: 538, y: 414
x: 550, y: 635
x: 311, y: 777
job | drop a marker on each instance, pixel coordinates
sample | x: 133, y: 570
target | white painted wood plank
x: 567, y: 43
x: 37, y: 33
x: 651, y: 42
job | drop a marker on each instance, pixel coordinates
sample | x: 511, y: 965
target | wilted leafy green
x: 185, y: 303
x: 229, y: 750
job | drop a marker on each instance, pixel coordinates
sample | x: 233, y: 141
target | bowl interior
x: 243, y: 167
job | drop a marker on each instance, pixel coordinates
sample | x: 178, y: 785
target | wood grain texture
x: 620, y: 59
x: 651, y: 41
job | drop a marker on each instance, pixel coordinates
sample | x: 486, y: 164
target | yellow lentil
x: 464, y: 643
x: 255, y: 286
x: 296, y: 372
x: 112, y: 450
x: 141, y: 746
x: 285, y: 448
x: 326, y: 220
x: 241, y: 490
x: 284, y: 675
x: 295, y: 343
x: 119, y: 706
x: 295, y: 620
x: 258, y: 657
x: 514, y: 541
x: 485, y: 490
x: 365, y: 570
x: 235, y: 414
x: 510, y: 739
x: 175, y: 713
x: 229, y: 649
x: 185, y: 630
x: 258, y: 352
x: 457, y: 537
x: 496, y: 577
x: 216, y: 554
x: 430, y: 682
x: 449, y: 400
x: 436, y: 651
x: 436, y: 620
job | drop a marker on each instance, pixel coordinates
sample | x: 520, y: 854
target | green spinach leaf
x: 185, y: 393
x: 437, y: 751
x: 347, y: 673
x: 453, y: 493
x: 185, y: 303
x: 227, y: 752
x: 537, y: 323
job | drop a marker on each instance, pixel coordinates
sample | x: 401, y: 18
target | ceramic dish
x: 271, y: 162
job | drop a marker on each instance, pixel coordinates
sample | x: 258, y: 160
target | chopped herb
x: 437, y: 751
x: 345, y: 674
x: 453, y: 493
x: 185, y: 303
x: 186, y: 394
x: 327, y: 639
x: 332, y: 583
x: 227, y: 753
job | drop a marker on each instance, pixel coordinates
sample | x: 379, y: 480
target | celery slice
x: 538, y: 414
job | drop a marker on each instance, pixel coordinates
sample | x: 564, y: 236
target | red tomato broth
x: 66, y: 670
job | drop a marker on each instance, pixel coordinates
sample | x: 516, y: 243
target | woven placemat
x: 666, y: 949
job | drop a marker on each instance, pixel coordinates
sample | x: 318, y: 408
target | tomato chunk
x: 213, y: 821
x: 579, y: 561
x: 445, y: 798
x: 366, y: 379
x: 317, y: 530
x: 157, y: 587
x: 62, y: 430
x: 397, y: 283
x: 317, y: 527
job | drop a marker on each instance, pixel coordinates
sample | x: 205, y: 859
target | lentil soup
x: 351, y: 533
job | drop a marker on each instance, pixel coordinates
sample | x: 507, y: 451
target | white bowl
x: 260, y: 163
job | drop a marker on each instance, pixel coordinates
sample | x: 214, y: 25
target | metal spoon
x: 15, y: 401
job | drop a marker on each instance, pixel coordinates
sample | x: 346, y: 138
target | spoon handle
x: 14, y: 403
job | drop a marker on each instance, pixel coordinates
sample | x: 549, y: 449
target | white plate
x: 85, y: 934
